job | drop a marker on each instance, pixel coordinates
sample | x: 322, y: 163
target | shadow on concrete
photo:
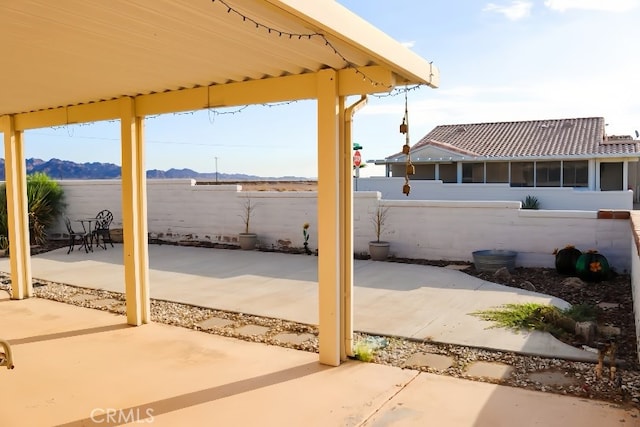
x: 146, y: 411
x: 68, y: 334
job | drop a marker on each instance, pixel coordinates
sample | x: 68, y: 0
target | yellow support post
x: 346, y: 221
x: 329, y: 234
x: 345, y: 239
x: 17, y: 210
x: 134, y: 211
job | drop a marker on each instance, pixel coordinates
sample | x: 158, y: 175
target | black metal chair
x: 76, y: 237
x: 103, y: 222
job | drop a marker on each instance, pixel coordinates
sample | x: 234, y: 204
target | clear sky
x: 499, y: 61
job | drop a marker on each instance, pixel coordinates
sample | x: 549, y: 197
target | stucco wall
x: 635, y: 272
x: 450, y: 230
x: 550, y: 198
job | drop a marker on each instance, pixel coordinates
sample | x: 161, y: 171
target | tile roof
x: 535, y: 138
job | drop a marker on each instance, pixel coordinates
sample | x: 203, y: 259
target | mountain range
x: 65, y: 169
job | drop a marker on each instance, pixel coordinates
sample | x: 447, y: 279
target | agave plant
x: 531, y: 202
x: 44, y: 205
x: 44, y: 201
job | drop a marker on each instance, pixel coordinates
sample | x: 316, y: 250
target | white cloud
x: 409, y: 44
x: 600, y: 5
x: 515, y: 11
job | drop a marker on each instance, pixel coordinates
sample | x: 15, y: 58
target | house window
x: 611, y: 176
x: 522, y: 174
x: 575, y: 173
x: 425, y: 171
x: 547, y: 174
x: 473, y: 172
x: 449, y: 172
x: 497, y: 172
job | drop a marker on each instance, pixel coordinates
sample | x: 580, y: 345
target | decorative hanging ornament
x: 406, y: 148
x: 410, y: 169
x: 404, y: 127
x: 406, y: 188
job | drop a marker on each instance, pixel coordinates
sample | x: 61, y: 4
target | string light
x: 301, y: 36
x: 392, y: 91
x: 211, y: 112
x: 397, y: 91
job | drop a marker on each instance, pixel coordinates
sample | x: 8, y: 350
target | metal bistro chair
x: 6, y: 359
x: 76, y: 237
x: 103, y: 222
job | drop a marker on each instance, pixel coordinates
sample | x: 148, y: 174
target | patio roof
x: 75, y: 61
x: 77, y: 51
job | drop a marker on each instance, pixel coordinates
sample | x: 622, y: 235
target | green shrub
x: 363, y: 351
x: 44, y: 205
x: 539, y: 317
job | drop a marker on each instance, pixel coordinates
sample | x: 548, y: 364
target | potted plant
x: 247, y: 240
x: 379, y: 249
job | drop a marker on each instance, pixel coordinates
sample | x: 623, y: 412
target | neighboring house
x: 573, y: 153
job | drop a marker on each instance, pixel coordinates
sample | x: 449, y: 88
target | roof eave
x: 418, y: 160
x: 340, y: 22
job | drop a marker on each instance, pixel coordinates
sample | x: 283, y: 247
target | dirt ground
x: 612, y: 298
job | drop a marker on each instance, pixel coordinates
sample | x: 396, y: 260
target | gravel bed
x: 624, y: 389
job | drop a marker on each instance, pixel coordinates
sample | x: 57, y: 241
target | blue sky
x: 499, y: 61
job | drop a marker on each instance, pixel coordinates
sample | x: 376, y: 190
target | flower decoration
x: 595, y: 266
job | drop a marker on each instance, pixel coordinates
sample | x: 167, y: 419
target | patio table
x: 86, y: 226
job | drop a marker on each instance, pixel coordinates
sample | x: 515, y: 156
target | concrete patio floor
x: 77, y: 367
x: 405, y: 300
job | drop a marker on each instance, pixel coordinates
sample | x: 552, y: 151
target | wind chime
x: 406, y: 149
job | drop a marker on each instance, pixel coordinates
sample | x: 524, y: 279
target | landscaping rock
x: 491, y: 370
x: 429, y: 360
x: 573, y: 282
x: 527, y: 285
x: 587, y: 331
x: 502, y: 274
x: 608, y: 331
x: 608, y: 305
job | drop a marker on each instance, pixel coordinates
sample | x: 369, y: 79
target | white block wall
x: 635, y: 274
x: 447, y: 230
x: 550, y: 198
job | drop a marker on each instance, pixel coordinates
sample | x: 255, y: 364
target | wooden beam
x: 84, y: 113
x: 17, y: 210
x: 366, y: 80
x: 329, y: 277
x: 268, y: 90
x: 346, y: 223
x: 134, y: 216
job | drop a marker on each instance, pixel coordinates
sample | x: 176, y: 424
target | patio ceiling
x: 71, y: 52
x: 72, y: 61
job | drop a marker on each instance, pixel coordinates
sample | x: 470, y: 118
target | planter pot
x: 492, y: 260
x: 247, y: 241
x: 379, y: 251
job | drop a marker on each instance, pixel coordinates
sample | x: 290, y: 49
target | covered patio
x: 84, y: 61
x: 77, y: 366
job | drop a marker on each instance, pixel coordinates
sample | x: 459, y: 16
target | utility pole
x: 216, y: 169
